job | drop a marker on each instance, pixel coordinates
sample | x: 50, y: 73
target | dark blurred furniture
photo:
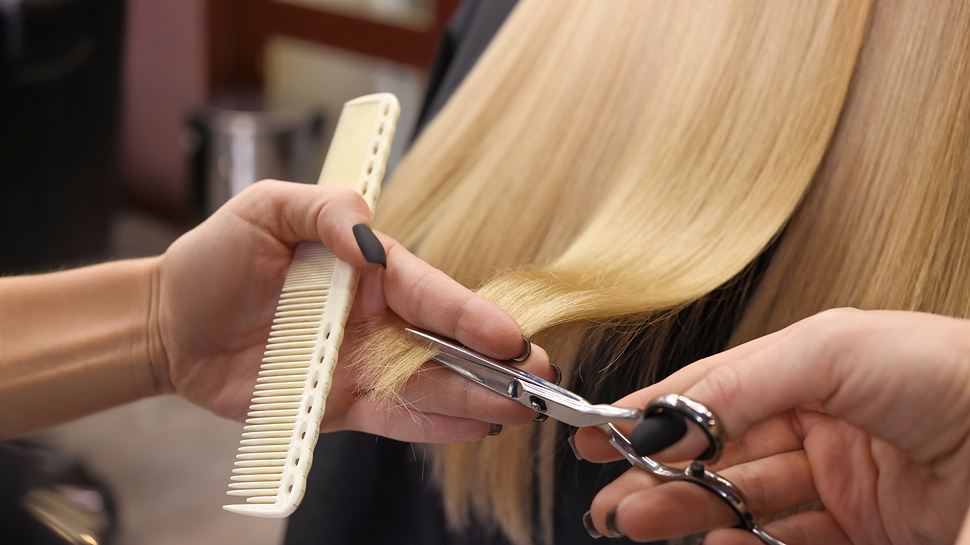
x: 47, y: 498
x: 59, y: 105
x: 239, y: 29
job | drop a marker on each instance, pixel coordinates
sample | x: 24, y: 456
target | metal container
x: 232, y: 149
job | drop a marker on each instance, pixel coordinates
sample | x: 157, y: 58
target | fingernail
x: 590, y: 529
x: 657, y: 432
x: 526, y: 352
x: 496, y: 429
x: 572, y: 445
x: 611, y: 530
x: 541, y: 417
x: 558, y: 378
x: 369, y: 245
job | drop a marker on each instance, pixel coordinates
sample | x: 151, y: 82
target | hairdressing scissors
x: 557, y: 402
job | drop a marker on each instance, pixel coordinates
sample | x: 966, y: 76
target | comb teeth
x: 270, y: 448
x: 288, y: 402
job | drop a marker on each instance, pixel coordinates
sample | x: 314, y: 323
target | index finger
x: 592, y: 445
x: 430, y: 299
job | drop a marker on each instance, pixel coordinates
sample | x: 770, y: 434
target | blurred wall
x: 301, y: 74
x: 164, y: 81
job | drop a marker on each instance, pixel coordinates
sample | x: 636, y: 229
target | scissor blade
x: 525, y: 388
x: 496, y: 382
x: 575, y: 410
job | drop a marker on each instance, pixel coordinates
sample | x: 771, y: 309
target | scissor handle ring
x: 723, y: 489
x: 695, y: 412
x: 696, y: 473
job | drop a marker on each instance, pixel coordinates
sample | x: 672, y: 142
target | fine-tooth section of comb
x: 291, y: 390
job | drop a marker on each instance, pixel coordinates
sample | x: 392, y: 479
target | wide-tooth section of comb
x: 289, y: 399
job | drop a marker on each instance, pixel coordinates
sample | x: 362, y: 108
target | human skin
x: 866, y: 412
x: 194, y: 321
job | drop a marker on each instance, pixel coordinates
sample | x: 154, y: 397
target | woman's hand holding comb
x: 216, y: 294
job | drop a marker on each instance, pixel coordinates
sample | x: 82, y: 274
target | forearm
x: 75, y: 342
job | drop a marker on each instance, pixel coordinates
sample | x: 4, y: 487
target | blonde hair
x: 625, y: 163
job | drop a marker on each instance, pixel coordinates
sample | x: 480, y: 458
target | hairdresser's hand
x: 217, y: 288
x: 866, y: 412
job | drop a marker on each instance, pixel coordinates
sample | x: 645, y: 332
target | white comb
x: 294, y: 379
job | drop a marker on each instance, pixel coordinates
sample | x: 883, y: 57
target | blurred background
x: 124, y: 123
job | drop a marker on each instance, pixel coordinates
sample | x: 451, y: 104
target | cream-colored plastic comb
x: 294, y: 379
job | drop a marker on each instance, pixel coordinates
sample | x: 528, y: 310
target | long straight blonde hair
x: 610, y: 168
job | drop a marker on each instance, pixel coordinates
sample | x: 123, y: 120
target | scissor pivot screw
x: 540, y: 406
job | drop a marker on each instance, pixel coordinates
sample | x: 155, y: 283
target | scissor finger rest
x: 696, y: 472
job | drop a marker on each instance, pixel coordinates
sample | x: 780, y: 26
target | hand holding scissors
x: 864, y: 413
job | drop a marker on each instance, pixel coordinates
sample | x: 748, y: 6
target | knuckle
x: 828, y: 330
x: 829, y: 321
x: 754, y: 487
x: 344, y: 198
x: 462, y: 319
x: 466, y: 393
x: 263, y: 188
x: 417, y: 296
x: 736, y: 452
x: 489, y: 406
x: 339, y: 192
x: 724, y: 383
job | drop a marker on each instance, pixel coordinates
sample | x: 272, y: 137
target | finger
x: 430, y: 299
x: 778, y: 434
x: 806, y: 528
x: 439, y: 390
x: 662, y: 511
x: 773, y: 436
x: 293, y: 212
x: 862, y: 367
x: 592, y: 444
x: 405, y: 424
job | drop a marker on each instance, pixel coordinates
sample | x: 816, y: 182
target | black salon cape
x: 367, y: 490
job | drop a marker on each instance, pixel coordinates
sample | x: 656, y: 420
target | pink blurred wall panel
x: 164, y: 82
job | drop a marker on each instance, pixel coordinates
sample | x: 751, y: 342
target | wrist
x: 157, y: 355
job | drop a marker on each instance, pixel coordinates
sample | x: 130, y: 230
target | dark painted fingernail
x: 369, y: 245
x: 572, y: 445
x: 541, y: 417
x: 611, y: 530
x: 526, y: 352
x: 496, y: 429
x: 657, y: 432
x: 590, y: 529
x: 558, y: 378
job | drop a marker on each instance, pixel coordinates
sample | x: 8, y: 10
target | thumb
x: 293, y: 212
